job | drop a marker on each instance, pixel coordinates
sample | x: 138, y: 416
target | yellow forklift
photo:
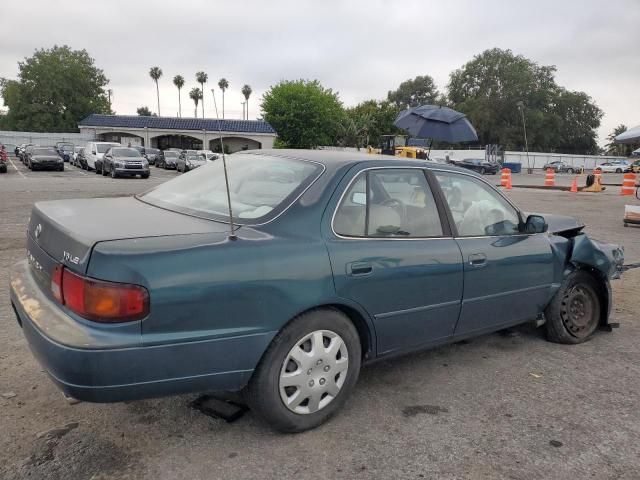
x: 396, y: 145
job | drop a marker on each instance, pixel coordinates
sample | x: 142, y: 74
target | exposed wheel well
x: 364, y: 332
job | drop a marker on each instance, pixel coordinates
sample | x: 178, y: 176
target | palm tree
x: 246, y: 91
x: 196, y: 95
x: 178, y: 81
x: 223, y: 83
x: 202, y: 78
x: 155, y: 73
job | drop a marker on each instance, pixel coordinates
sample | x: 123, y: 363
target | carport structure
x: 173, y: 132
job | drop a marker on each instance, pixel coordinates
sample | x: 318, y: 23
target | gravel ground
x: 508, y: 405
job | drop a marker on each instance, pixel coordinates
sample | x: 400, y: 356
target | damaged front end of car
x: 574, y: 250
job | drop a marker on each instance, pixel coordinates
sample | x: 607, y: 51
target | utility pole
x: 520, y: 105
x: 243, y: 114
x: 109, y: 92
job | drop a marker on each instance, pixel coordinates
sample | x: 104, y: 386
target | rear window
x: 154, y: 151
x: 103, y: 147
x: 261, y: 187
x: 171, y: 154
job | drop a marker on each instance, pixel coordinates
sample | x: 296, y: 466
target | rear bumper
x: 95, y: 369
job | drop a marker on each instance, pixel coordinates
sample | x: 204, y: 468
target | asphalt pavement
x: 504, y: 406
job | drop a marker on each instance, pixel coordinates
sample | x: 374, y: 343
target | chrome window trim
x: 335, y: 211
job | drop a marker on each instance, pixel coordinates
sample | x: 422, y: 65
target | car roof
x: 335, y: 159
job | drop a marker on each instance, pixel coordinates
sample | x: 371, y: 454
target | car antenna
x: 224, y: 165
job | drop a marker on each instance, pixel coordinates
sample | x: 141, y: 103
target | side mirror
x: 535, y: 224
x: 359, y: 198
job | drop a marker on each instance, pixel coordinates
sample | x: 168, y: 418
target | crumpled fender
x: 581, y: 252
x: 607, y: 258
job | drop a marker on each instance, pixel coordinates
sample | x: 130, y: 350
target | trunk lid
x: 65, y: 231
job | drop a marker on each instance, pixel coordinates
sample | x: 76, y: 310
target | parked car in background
x: 477, y: 165
x: 152, y: 155
x: 22, y: 152
x: 168, y: 160
x: 44, y: 158
x: 10, y: 148
x: 635, y: 166
x: 135, y: 297
x: 124, y: 162
x: 210, y: 157
x: 562, y: 167
x: 94, y: 151
x: 189, y: 161
x: 74, y: 157
x: 4, y: 159
x: 615, y: 166
x: 65, y: 150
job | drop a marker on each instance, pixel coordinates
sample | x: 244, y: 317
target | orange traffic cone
x: 508, y: 186
x: 550, y: 177
x: 574, y: 186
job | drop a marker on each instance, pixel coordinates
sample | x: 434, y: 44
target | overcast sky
x: 361, y: 49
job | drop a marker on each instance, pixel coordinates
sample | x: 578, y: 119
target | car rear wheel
x: 113, y: 173
x: 574, y: 313
x: 618, y: 170
x: 482, y: 171
x: 569, y: 170
x: 308, y: 371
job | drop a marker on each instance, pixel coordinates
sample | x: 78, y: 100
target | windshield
x: 44, y: 151
x: 260, y: 186
x: 125, y: 152
x: 103, y: 147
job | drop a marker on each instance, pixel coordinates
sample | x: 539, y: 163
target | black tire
x: 113, y: 173
x: 569, y: 170
x: 145, y: 176
x: 574, y: 312
x: 61, y: 169
x: 186, y: 169
x: 618, y: 170
x: 103, y: 170
x: 591, y: 178
x: 263, y: 391
x: 482, y: 171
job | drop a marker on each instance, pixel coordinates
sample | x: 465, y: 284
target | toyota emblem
x: 38, y: 230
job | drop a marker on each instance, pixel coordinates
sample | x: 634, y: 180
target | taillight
x: 56, y: 282
x: 99, y: 300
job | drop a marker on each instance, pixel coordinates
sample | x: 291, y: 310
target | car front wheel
x: 308, y: 371
x: 574, y: 313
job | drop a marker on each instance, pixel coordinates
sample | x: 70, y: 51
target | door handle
x: 477, y: 260
x: 359, y: 269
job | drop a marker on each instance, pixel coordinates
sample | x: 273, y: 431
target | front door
x: 507, y: 274
x: 391, y: 254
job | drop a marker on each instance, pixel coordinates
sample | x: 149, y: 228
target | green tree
x: 304, y: 113
x: 145, y: 112
x: 377, y: 116
x: 155, y: 73
x: 413, y: 93
x: 201, y: 78
x: 613, y: 148
x: 55, y: 89
x: 178, y: 81
x: 196, y: 95
x: 246, y: 91
x: 223, y: 84
x: 488, y: 88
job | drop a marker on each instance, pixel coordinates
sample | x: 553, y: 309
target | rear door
x: 507, y: 274
x: 391, y: 254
